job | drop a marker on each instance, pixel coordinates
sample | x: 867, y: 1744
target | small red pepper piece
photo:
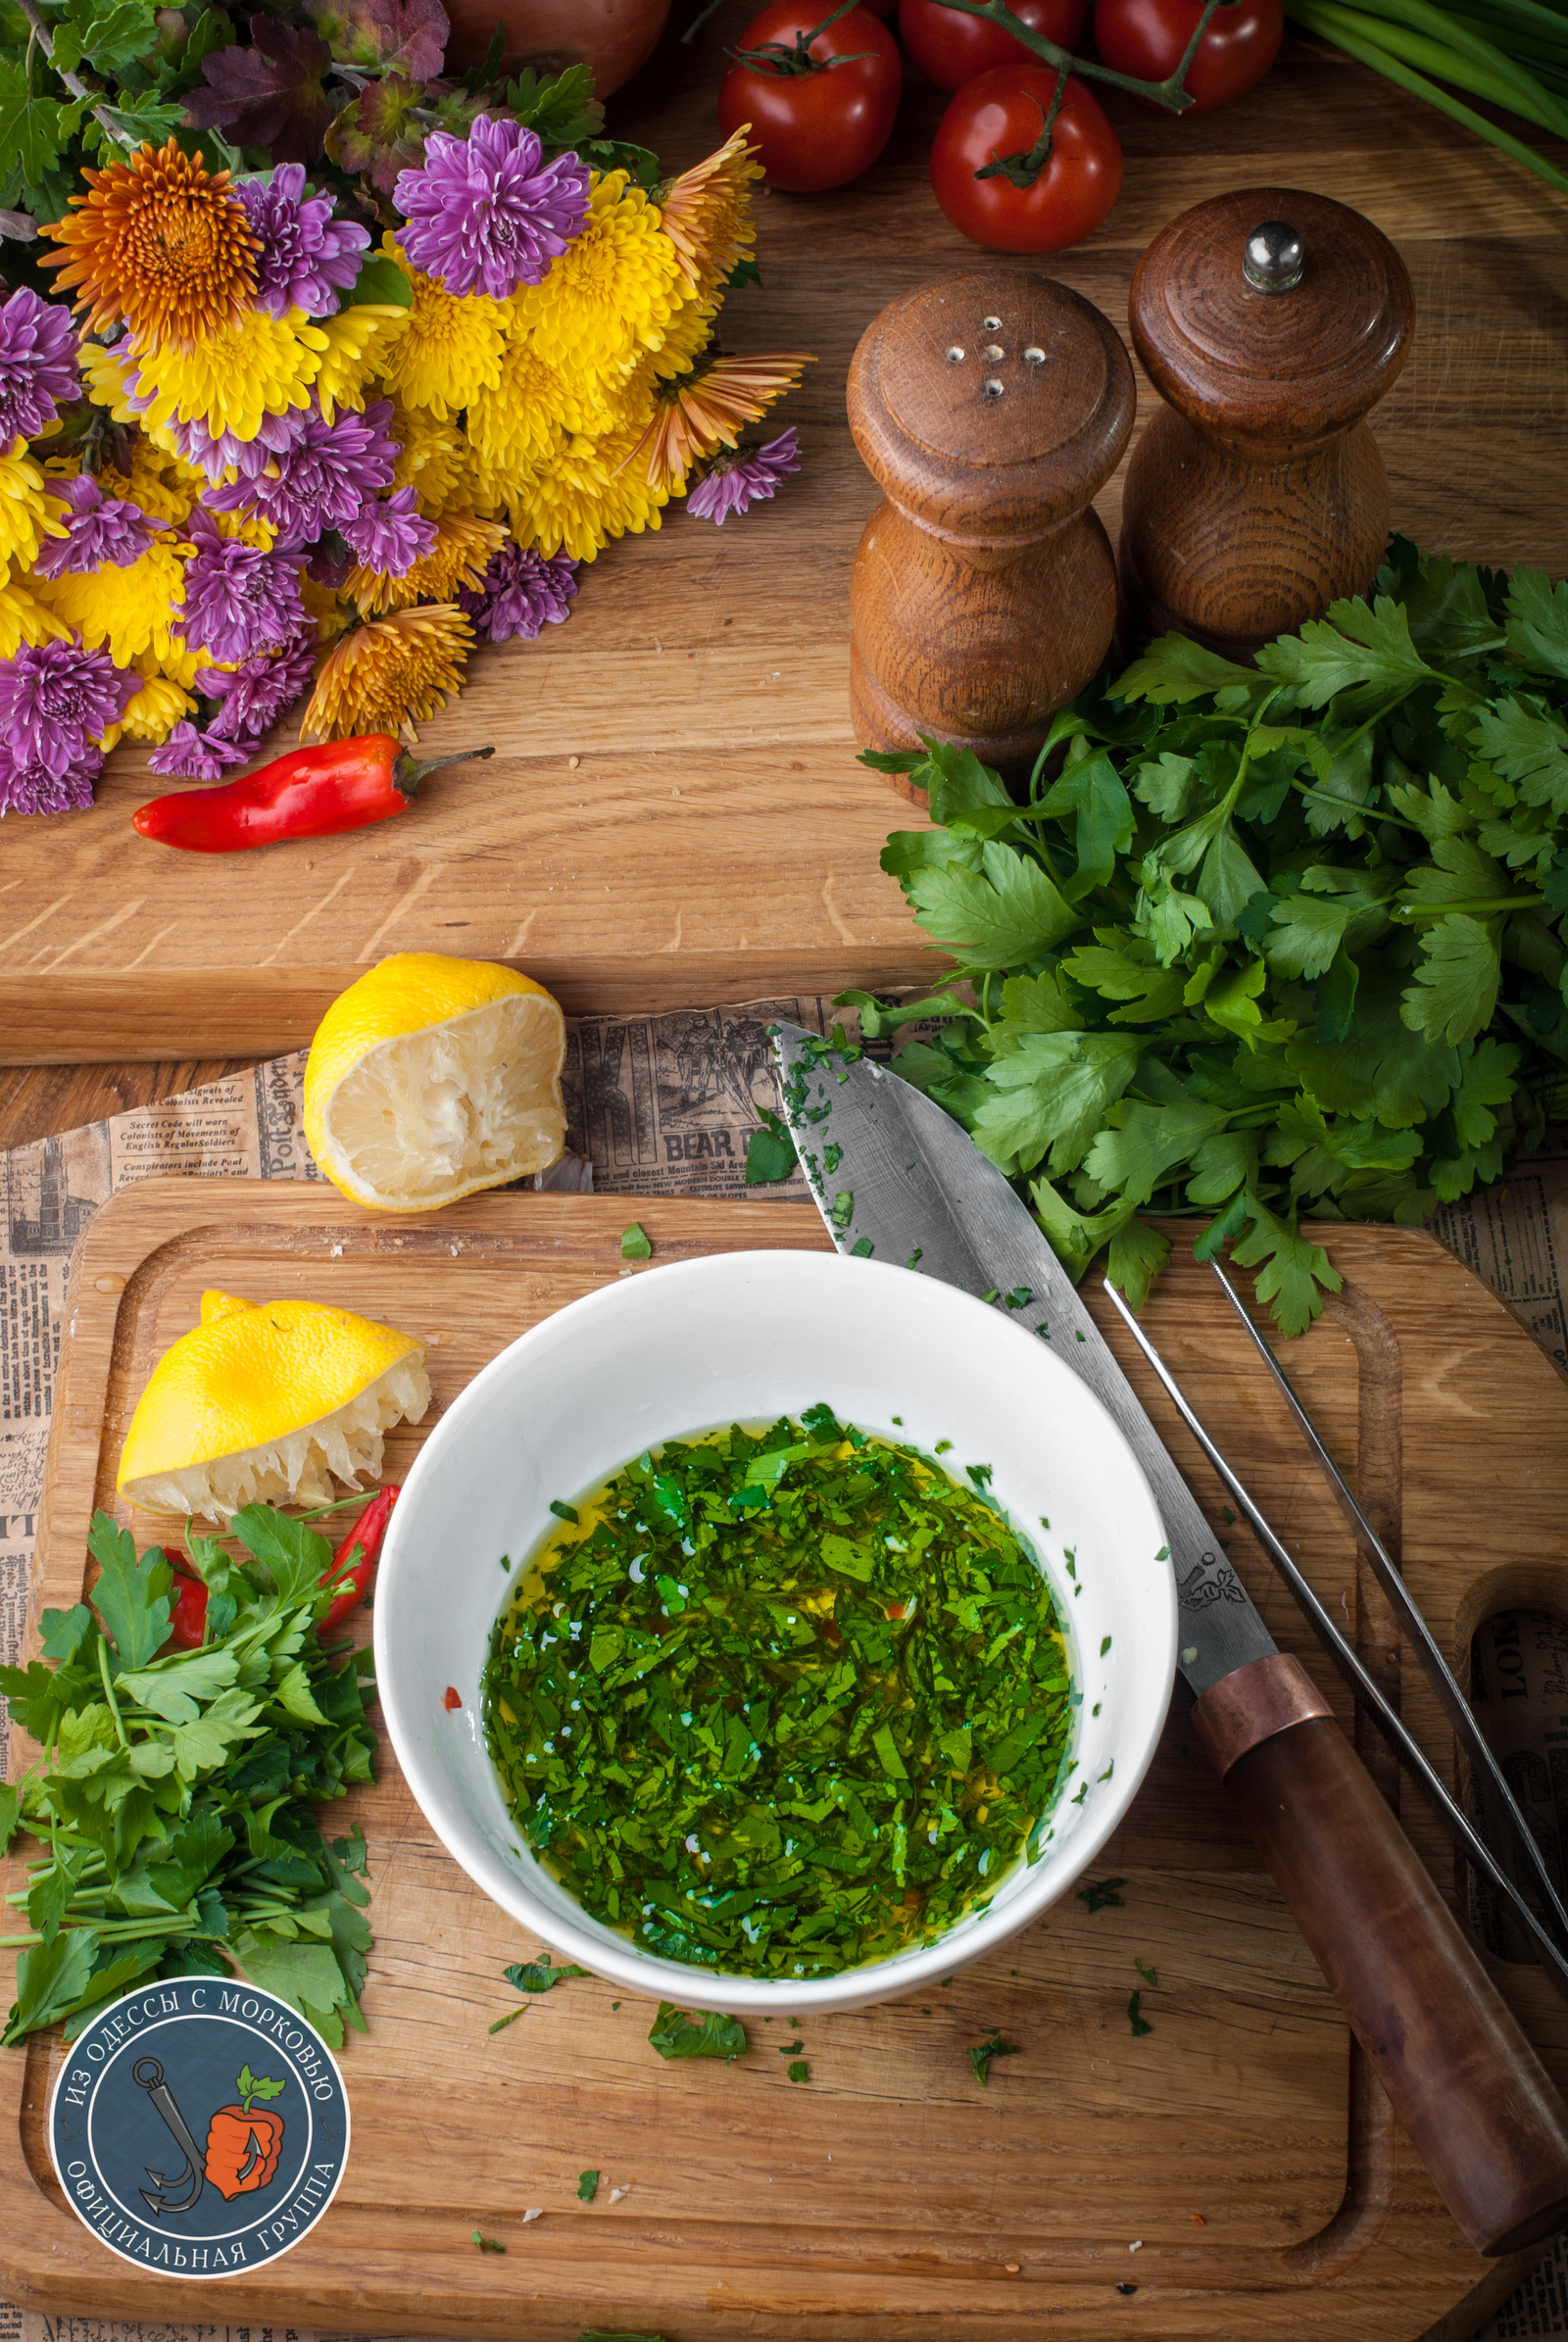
x: 450, y: 1698
x: 311, y: 792
x: 187, y: 1618
x: 367, y: 1532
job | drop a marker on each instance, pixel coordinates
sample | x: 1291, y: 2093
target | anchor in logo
x: 148, y: 2076
x: 243, y: 2143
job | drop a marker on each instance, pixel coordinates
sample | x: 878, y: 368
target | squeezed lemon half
x: 267, y: 1402
x: 432, y: 1078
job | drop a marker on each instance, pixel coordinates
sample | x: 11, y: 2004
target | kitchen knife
x: 896, y: 1178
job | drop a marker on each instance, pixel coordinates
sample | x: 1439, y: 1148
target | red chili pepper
x: 187, y: 1618
x: 452, y: 1698
x: 187, y: 1621
x: 311, y: 792
x: 367, y: 1534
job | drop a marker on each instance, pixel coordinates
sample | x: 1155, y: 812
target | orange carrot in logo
x: 243, y: 2145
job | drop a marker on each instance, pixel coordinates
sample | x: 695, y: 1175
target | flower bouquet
x: 314, y: 443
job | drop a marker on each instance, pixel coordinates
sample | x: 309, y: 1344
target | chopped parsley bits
x: 1140, y: 2025
x: 985, y: 2052
x: 635, y: 1244
x: 786, y: 1701
x: 799, y: 2071
x: 564, y: 1512
x: 587, y: 2186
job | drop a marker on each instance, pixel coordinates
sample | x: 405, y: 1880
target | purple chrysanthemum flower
x: 192, y: 756
x: 214, y: 456
x: 239, y: 600
x: 522, y: 592
x: 735, y: 482
x: 391, y: 536
x: 317, y: 484
x: 484, y: 214
x: 100, y: 530
x: 255, y: 694
x: 38, y: 364
x: 307, y: 257
x: 54, y: 699
x: 35, y: 789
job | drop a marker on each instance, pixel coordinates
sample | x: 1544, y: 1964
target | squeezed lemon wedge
x: 267, y: 1402
x: 432, y: 1078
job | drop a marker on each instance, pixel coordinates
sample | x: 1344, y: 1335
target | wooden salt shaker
x: 988, y: 406
x: 1269, y: 321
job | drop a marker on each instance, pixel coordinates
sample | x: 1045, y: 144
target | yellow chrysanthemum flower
x: 27, y: 515
x: 431, y: 460
x: 522, y: 419
x: 707, y: 214
x: 152, y: 714
x: 589, y: 491
x: 159, y: 480
x: 459, y: 557
x: 357, y: 341
x: 25, y: 620
x: 613, y: 293
x: 390, y: 674
x: 449, y: 349
x: 254, y: 366
x: 126, y: 610
x: 703, y: 410
x: 246, y: 528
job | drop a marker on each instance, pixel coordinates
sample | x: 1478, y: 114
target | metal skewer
x: 1448, y: 1808
x: 1490, y: 1778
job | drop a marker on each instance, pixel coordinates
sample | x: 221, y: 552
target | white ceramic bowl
x: 746, y: 1337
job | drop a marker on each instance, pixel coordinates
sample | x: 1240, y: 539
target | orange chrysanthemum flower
x: 459, y: 557
x: 160, y: 243
x: 702, y: 412
x: 389, y: 676
x: 707, y: 214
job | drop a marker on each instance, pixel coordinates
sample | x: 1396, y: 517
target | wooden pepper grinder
x: 989, y: 408
x: 1269, y: 321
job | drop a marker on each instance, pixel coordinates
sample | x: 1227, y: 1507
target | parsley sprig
x: 1279, y: 946
x: 176, y: 1795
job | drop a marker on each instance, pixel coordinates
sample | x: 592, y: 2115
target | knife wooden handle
x: 1480, y: 2107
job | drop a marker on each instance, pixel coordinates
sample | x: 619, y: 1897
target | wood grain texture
x: 1259, y: 496
x: 716, y: 838
x: 946, y: 2213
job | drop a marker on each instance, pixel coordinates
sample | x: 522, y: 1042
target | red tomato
x: 1001, y: 114
x: 1148, y: 38
x: 951, y: 49
x: 816, y: 130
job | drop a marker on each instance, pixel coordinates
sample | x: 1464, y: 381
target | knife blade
x: 894, y: 1177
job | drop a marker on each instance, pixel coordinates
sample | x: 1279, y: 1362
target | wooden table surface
x: 675, y: 814
x: 715, y: 837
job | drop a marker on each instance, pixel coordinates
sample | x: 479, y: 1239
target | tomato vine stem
x: 1171, y: 93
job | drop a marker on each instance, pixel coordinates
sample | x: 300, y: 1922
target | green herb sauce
x: 784, y: 1701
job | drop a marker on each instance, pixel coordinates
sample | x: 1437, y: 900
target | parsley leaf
x: 675, y: 2035
x: 983, y: 2054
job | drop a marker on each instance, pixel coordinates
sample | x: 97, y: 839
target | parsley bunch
x: 1280, y: 943
x: 176, y: 1795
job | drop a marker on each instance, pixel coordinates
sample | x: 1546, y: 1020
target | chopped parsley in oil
x: 785, y: 1701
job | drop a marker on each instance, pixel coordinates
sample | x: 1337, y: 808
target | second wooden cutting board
x: 1231, y: 2172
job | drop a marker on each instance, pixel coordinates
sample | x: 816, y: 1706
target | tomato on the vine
x: 1039, y: 201
x: 815, y: 123
x: 951, y: 48
x: 1148, y: 39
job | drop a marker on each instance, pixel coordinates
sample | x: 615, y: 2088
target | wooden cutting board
x: 674, y: 814
x: 1235, y: 2171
